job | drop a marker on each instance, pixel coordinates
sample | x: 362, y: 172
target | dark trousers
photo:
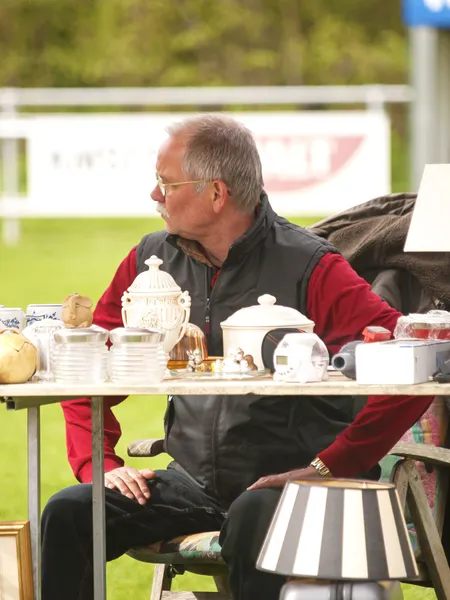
x: 177, y: 507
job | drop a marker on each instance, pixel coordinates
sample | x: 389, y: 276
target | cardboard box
x: 400, y: 361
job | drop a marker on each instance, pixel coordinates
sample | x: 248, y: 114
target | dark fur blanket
x: 371, y: 237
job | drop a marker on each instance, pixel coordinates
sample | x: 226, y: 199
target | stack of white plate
x: 136, y: 356
x: 80, y: 355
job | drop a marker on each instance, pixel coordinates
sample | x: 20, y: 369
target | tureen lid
x: 267, y: 314
x: 154, y: 280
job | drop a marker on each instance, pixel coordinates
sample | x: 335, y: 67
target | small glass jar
x: 41, y: 333
x: 136, y: 355
x: 80, y: 355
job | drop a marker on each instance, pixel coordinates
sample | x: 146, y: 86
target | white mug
x: 12, y: 317
x: 37, y: 312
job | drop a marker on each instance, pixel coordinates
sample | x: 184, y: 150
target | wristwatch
x: 321, y: 468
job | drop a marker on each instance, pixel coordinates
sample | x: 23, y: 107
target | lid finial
x: 153, y: 262
x: 266, y: 300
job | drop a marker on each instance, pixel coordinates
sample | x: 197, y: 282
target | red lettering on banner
x: 296, y: 162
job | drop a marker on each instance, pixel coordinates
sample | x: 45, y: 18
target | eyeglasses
x: 162, y: 186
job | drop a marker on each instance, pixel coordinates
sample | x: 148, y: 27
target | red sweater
x: 341, y: 304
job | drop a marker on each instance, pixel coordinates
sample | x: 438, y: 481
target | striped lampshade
x: 339, y: 529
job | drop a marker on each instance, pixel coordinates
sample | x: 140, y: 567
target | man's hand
x: 281, y: 479
x: 130, y: 482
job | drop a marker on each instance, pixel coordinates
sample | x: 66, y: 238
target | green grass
x: 55, y: 258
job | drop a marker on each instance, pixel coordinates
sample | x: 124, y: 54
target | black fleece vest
x: 225, y: 443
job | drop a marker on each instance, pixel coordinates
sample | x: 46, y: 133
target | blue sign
x: 427, y: 13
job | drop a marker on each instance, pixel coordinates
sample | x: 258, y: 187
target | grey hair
x: 219, y: 147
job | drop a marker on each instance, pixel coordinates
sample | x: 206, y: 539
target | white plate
x: 183, y: 374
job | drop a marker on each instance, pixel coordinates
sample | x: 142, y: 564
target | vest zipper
x: 207, y: 317
x: 208, y: 306
x: 209, y: 292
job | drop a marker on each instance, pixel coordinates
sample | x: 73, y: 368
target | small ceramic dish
x: 183, y: 374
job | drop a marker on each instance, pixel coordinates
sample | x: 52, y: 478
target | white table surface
x: 31, y: 396
x: 337, y: 385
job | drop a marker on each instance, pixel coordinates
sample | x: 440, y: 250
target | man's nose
x: 156, y: 194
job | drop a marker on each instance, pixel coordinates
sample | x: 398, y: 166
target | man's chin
x: 165, y: 217
x: 169, y: 228
x: 166, y: 221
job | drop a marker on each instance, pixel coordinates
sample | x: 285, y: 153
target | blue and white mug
x: 38, y: 312
x: 12, y: 317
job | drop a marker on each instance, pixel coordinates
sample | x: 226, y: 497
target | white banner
x: 315, y: 163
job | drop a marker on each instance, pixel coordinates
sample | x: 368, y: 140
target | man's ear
x: 220, y: 195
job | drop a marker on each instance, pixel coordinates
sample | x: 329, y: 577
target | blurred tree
x: 200, y: 42
x: 87, y: 43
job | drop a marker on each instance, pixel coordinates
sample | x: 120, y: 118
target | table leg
x: 34, y: 493
x: 98, y: 498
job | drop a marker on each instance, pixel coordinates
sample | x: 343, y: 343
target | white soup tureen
x: 247, y: 327
x: 155, y: 301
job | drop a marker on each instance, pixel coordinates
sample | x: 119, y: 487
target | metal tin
x: 136, y: 335
x: 81, y: 335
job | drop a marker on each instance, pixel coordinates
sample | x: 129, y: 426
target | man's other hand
x: 130, y: 482
x: 281, y: 479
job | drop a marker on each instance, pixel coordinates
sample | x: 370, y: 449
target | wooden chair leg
x: 399, y: 476
x: 223, y: 585
x: 162, y: 581
x: 429, y: 537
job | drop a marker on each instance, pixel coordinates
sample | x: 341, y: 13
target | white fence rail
x: 373, y: 96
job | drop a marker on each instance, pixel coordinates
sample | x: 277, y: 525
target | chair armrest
x: 426, y: 453
x: 146, y: 447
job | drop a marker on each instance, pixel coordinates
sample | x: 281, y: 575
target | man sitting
x: 232, y: 454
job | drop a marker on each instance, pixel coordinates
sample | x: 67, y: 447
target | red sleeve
x: 342, y: 304
x: 77, y: 413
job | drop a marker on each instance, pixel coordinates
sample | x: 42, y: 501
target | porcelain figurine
x: 195, y: 362
x: 77, y: 311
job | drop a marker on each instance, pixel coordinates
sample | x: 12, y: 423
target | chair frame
x: 164, y: 573
x: 434, y: 570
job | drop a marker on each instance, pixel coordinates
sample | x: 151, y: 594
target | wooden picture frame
x: 16, y: 570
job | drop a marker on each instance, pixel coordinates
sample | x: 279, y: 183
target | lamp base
x: 360, y: 590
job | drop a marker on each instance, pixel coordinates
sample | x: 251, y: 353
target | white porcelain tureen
x: 247, y: 327
x: 155, y: 301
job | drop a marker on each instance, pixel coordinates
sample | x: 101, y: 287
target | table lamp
x: 337, y: 539
x: 429, y: 228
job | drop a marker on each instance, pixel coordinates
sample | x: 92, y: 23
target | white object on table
x: 406, y: 361
x: 36, y: 312
x: 40, y: 333
x: 301, y: 357
x: 247, y: 327
x: 155, y: 301
x: 12, y: 317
